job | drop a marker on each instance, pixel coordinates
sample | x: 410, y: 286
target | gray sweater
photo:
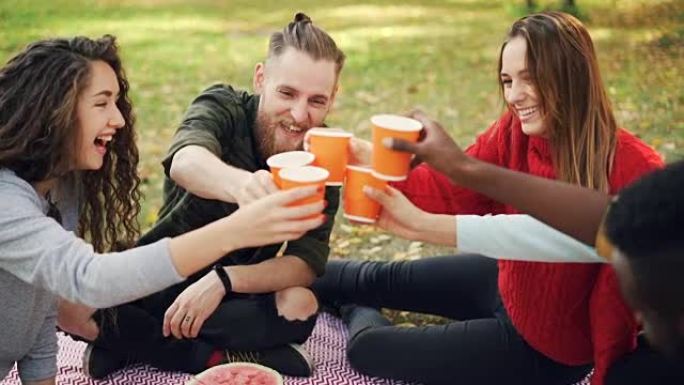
x: 41, y: 259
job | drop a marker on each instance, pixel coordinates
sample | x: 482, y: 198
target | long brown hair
x: 576, y: 110
x: 39, y: 133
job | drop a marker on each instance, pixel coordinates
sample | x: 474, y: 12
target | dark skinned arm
x: 573, y: 210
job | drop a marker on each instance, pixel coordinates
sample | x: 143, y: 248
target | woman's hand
x: 266, y: 221
x: 271, y: 220
x: 401, y: 217
x: 398, y: 216
x: 258, y: 185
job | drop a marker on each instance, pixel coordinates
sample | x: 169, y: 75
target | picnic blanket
x: 327, y: 346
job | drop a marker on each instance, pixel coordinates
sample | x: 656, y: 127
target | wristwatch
x: 223, y: 276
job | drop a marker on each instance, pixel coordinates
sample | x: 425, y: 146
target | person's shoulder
x: 633, y: 159
x: 16, y: 193
x: 630, y: 148
x: 224, y: 94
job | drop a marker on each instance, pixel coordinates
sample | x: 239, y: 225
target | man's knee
x: 254, y: 324
x: 296, y: 303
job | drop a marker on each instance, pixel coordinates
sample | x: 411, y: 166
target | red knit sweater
x: 572, y: 313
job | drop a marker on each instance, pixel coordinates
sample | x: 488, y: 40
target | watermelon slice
x: 238, y: 373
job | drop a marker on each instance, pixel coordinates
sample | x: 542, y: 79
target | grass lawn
x: 440, y: 55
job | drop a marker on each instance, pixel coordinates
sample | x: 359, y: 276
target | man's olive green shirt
x: 221, y: 119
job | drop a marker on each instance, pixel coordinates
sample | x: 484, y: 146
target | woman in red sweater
x: 520, y: 322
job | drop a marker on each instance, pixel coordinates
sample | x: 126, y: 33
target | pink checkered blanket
x: 327, y: 346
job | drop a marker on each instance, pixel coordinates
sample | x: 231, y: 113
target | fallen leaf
x: 398, y: 256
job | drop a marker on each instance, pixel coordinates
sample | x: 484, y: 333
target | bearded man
x: 252, y: 306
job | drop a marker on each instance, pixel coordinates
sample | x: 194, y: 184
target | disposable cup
x: 358, y: 207
x: 388, y: 164
x: 292, y: 177
x: 330, y: 146
x: 288, y: 159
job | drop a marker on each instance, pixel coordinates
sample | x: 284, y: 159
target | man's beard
x: 265, y: 128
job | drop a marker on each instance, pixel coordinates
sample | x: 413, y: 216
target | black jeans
x: 645, y: 366
x: 484, y: 348
x: 240, y: 322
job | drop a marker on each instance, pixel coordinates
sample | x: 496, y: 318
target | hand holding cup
x: 389, y: 164
x: 283, y: 160
x: 331, y: 149
x: 435, y: 146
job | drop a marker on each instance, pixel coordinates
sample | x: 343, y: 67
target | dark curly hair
x: 39, y: 133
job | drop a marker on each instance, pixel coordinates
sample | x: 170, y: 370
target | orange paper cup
x: 388, y: 164
x: 292, y: 177
x: 330, y: 146
x: 288, y: 159
x: 358, y: 207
